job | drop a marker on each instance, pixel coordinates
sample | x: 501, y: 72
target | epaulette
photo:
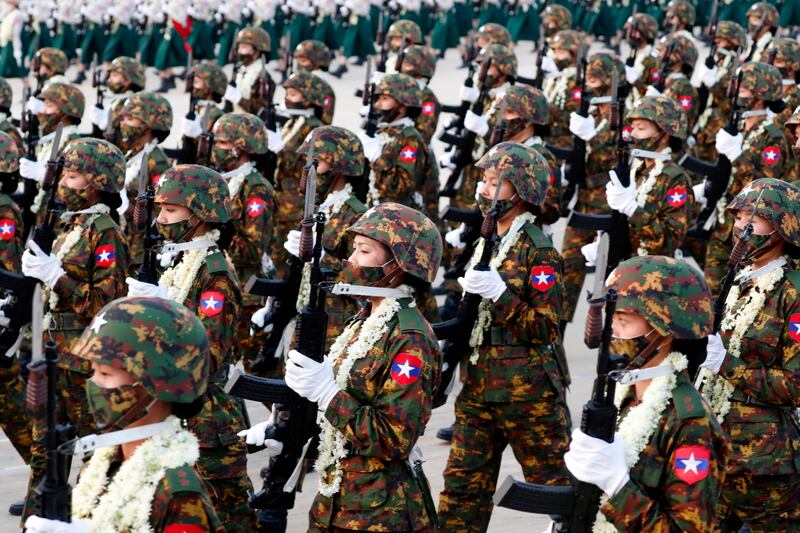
x: 539, y: 238
x: 410, y: 319
x: 182, y: 480
x: 216, y: 263
x: 104, y: 222
x: 5, y: 200
x: 673, y: 170
x: 688, y: 402
x: 774, y: 131
x: 355, y: 204
x: 794, y: 277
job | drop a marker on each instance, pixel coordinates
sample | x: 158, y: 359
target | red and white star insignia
x: 7, y: 229
x: 327, y: 101
x: 543, y: 278
x: 794, y: 326
x: 405, y: 368
x: 655, y: 75
x: 576, y: 95
x: 691, y: 463
x: 105, y: 256
x: 676, y: 197
x: 428, y: 108
x: 686, y: 102
x: 626, y: 133
x: 183, y: 528
x: 255, y: 206
x: 211, y: 303
x: 771, y: 155
x: 154, y: 180
x: 408, y: 154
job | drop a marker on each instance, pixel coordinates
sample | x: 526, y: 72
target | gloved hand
x: 275, y: 141
x: 232, y: 94
x: 42, y: 266
x: 376, y: 77
x: 373, y: 146
x: 469, y: 94
x: 476, y: 123
x: 598, y: 462
x: 142, y: 289
x: 487, y: 284
x: 729, y: 145
x: 99, y: 116
x: 652, y: 91
x: 632, y: 74
x: 699, y: 192
x: 453, y: 237
x: 32, y: 170
x: 34, y: 105
x: 363, y: 110
x: 548, y: 65
x: 310, y: 379
x: 447, y: 161
x: 35, y: 524
x: 583, y: 127
x: 622, y: 199
x: 260, y: 316
x: 708, y: 76
x: 256, y: 436
x: 589, y: 252
x: 715, y: 353
x: 191, y: 128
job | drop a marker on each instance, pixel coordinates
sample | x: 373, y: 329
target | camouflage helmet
x: 560, y: 15
x: 525, y: 168
x: 663, y: 112
x: 787, y: 50
x: 682, y: 45
x: 683, y: 10
x: 402, y: 88
x: 410, y: 236
x: 763, y: 80
x: 419, y: 61
x: 97, y: 160
x: 495, y: 34
x: 9, y: 153
x: 53, y: 58
x: 732, y: 32
x: 338, y: 147
x: 501, y: 56
x: 312, y: 87
x: 566, y: 40
x: 528, y: 102
x: 764, y: 9
x: 199, y: 188
x: 671, y: 295
x: 151, y: 108
x: 791, y: 125
x: 130, y: 68
x: 779, y: 204
x: 407, y: 29
x: 315, y: 51
x: 600, y: 66
x: 68, y: 98
x: 644, y: 24
x: 257, y: 37
x: 212, y: 75
x: 6, y: 95
x: 245, y: 131
x: 158, y: 341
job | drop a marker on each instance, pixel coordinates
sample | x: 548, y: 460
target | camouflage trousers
x: 230, y: 494
x: 717, y: 254
x: 319, y: 528
x: 574, y: 267
x: 538, y: 433
x: 763, y: 503
x: 14, y: 419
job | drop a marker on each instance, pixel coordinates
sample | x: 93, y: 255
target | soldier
x: 122, y: 38
x: 762, y: 24
x: 153, y: 484
x: 252, y: 54
x: 376, y: 384
x: 662, y: 317
x: 52, y: 64
x: 209, y: 85
x: 358, y: 38
x: 85, y: 271
x: 195, y: 214
x: 679, y: 67
x: 679, y: 16
x: 493, y: 33
x: 522, y: 401
x: 312, y: 56
x: 750, y: 372
x: 6, y: 126
x: 420, y: 63
x: 792, y: 135
x: 94, y: 35
x: 400, y: 35
x: 785, y: 56
x: 556, y: 18
x: 125, y: 77
x: 641, y: 31
x: 560, y: 86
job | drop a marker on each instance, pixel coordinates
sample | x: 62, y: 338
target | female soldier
x: 752, y: 369
x: 561, y: 86
x: 152, y: 484
x: 209, y: 83
x: 680, y: 66
x: 375, y: 385
x: 313, y: 56
x: 665, y: 467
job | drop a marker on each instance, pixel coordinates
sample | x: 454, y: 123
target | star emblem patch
x: 7, y: 229
x: 655, y: 75
x: 771, y: 155
x: 626, y: 133
x: 686, y: 102
x: 576, y: 95
x: 255, y: 206
x: 105, y: 256
x: 794, y: 326
x: 543, y: 278
x: 676, y: 197
x: 691, y: 464
x: 428, y: 108
x: 405, y: 368
x: 408, y: 154
x: 211, y: 303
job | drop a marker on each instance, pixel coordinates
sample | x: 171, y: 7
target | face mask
x: 746, y: 102
x: 598, y: 91
x: 49, y: 122
x: 630, y: 348
x: 513, y: 127
x: 74, y: 199
x: 246, y: 58
x: 493, y: 80
x: 294, y: 105
x: 116, y: 86
x: 651, y: 144
x: 175, y: 231
x: 502, y: 207
x: 324, y: 181
x: 202, y: 94
x: 130, y: 134
x: 757, y: 245
x: 363, y: 275
x: 388, y: 115
x: 562, y: 63
x: 786, y: 73
x: 224, y: 160
x: 109, y: 405
x: 752, y: 26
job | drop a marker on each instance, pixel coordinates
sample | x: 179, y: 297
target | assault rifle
x: 188, y: 145
x: 666, y: 60
x: 143, y: 222
x: 541, y: 47
x: 267, y: 114
x: 370, y: 125
x: 501, y: 126
x: 711, y: 58
x: 754, y: 41
x: 288, y: 61
x: 382, y: 42
x: 234, y: 56
x: 472, y: 220
x: 97, y: 84
x: 631, y: 60
x: 460, y: 110
x: 619, y: 231
x: 205, y: 140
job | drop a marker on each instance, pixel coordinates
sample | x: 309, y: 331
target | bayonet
x: 600, y: 265
x: 37, y: 322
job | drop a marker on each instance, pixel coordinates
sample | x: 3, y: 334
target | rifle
x: 628, y: 37
x: 665, y: 66
x: 234, y: 57
x: 267, y: 114
x: 460, y: 110
x: 143, y: 222
x: 542, y: 48
x: 288, y: 60
x: 188, y: 147
x: 472, y: 219
x: 619, y: 222
x: 711, y: 34
x: 370, y: 125
x: 456, y: 332
x: 205, y: 140
x: 501, y: 126
x: 401, y: 57
x: 755, y: 38
x: 98, y: 86
x: 380, y: 40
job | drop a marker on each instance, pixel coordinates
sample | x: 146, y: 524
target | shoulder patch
x: 407, y: 154
x: 539, y: 238
x: 410, y: 319
x: 771, y: 154
x: 774, y: 131
x: 355, y: 204
x: 216, y: 263
x: 212, y: 303
x: 688, y: 402
x: 691, y: 463
x: 794, y: 278
x: 104, y: 223
x: 405, y: 368
x: 8, y: 228
x: 182, y: 480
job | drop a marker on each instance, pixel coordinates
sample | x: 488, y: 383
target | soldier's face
x: 368, y: 252
x: 116, y: 77
x: 73, y: 180
x: 303, y: 62
x: 396, y: 42
x: 246, y: 49
x: 723, y: 43
x: 170, y: 213
x: 293, y: 95
x: 562, y: 54
x: 629, y: 326
x: 109, y: 377
x: 322, y: 166
x: 483, y: 42
x: 643, y: 129
x: 761, y: 226
x: 386, y: 102
x: 50, y: 107
x: 490, y: 179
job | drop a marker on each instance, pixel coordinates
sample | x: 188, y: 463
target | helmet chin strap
x: 383, y: 288
x: 774, y: 239
x: 648, y: 351
x: 92, y: 442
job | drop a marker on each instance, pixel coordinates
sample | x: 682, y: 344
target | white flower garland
x: 638, y: 426
x: 236, y: 177
x: 600, y: 127
x: 647, y: 185
x: 292, y: 128
x: 178, y: 279
x: 485, y: 308
x: 343, y: 355
x: 556, y: 87
x: 126, y: 504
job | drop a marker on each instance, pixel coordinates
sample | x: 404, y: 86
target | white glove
x: 622, y: 199
x: 99, y: 116
x: 34, y: 105
x: 138, y: 288
x: 310, y: 379
x: 275, y: 141
x: 32, y: 170
x: 453, y: 237
x: 715, y: 353
x: 598, y: 462
x: 363, y: 110
x: 632, y: 74
x: 708, y: 76
x: 373, y: 146
x: 548, y: 65
x: 476, y: 123
x: 487, y: 284
x: 35, y: 524
x: 652, y: 91
x: 191, y: 128
x: 583, y: 127
x: 699, y: 192
x: 469, y: 94
x: 728, y: 145
x: 256, y: 436
x: 292, y: 244
x: 589, y: 252
x: 260, y: 316
x: 232, y: 94
x: 376, y: 77
x: 39, y: 265
x: 447, y: 161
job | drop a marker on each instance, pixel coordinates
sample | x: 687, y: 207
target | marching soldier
x: 679, y: 16
x: 400, y: 35
x: 762, y: 23
x: 792, y: 135
x: 252, y: 54
x: 52, y: 64
x: 209, y: 86
x: 125, y: 77
x: 679, y: 67
x: 560, y: 87
x: 420, y: 63
x: 556, y: 18
x: 312, y: 56
x: 641, y: 31
x: 785, y: 56
x: 6, y: 126
x: 493, y: 33
x: 122, y: 39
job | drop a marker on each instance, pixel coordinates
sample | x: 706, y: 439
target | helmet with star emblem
x: 313, y: 88
x: 765, y: 12
x: 52, y: 58
x: 494, y: 33
x: 788, y: 51
x: 67, y: 98
x: 731, y: 32
x: 158, y: 341
x: 779, y: 203
x: 9, y: 154
x: 502, y: 57
x: 245, y: 131
x: 528, y: 102
x: 568, y: 40
x: 419, y: 61
x: 643, y: 23
x: 199, y: 188
x: 212, y: 76
x: 684, y: 51
x: 6, y: 95
x: 97, y: 160
x: 522, y: 166
x: 406, y: 29
x: 663, y: 112
x: 556, y: 18
x: 151, y: 108
x: 762, y: 80
x: 683, y: 10
x: 131, y: 69
x: 255, y: 36
x: 410, y: 236
x: 338, y: 147
x: 317, y: 53
x: 671, y: 295
x: 402, y: 88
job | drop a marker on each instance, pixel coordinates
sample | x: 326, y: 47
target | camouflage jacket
x: 680, y: 89
x: 382, y: 413
x: 7, y: 127
x: 290, y: 170
x: 663, y: 493
x: 328, y: 106
x: 650, y: 74
x: 517, y: 358
x: 11, y: 245
x: 116, y: 102
x: 45, y: 144
x: 428, y: 119
x: 248, y: 80
x: 400, y: 171
x: 563, y: 101
x: 601, y: 156
x: 550, y: 210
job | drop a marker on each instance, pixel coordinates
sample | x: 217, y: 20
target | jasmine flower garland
x: 178, y: 279
x: 647, y: 185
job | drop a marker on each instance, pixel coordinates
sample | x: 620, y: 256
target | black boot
x: 80, y: 77
x: 446, y: 434
x: 339, y: 71
x: 166, y: 84
x: 16, y: 508
x: 360, y: 60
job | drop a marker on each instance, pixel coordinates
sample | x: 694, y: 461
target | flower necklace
x: 343, y: 355
x: 556, y: 87
x: 247, y: 77
x: 124, y: 502
x: 292, y: 127
x: 749, y: 138
x: 485, y: 308
x: 236, y: 177
x: 647, y: 185
x: 178, y: 279
x: 638, y: 426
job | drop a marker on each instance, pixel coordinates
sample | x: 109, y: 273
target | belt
x: 220, y: 377
x: 596, y: 180
x: 739, y: 396
x: 69, y: 321
x: 500, y: 336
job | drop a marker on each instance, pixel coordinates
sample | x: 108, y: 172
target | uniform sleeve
x: 10, y: 239
x: 388, y: 426
x: 396, y: 174
x: 254, y: 228
x: 218, y: 310
x: 767, y: 159
x: 660, y: 226
x: 189, y: 513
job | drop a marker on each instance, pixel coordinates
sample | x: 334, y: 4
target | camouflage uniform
x: 70, y: 102
x: 788, y: 50
x: 678, y: 86
x: 420, y: 63
x: 320, y: 57
x: 378, y: 491
x: 55, y: 60
x: 556, y: 18
x: 133, y: 71
x: 646, y: 27
x: 769, y: 15
x: 410, y: 33
x: 250, y: 78
x: 789, y: 128
x: 494, y: 33
x: 205, y: 101
x: 562, y: 91
x: 514, y: 393
x: 6, y: 126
